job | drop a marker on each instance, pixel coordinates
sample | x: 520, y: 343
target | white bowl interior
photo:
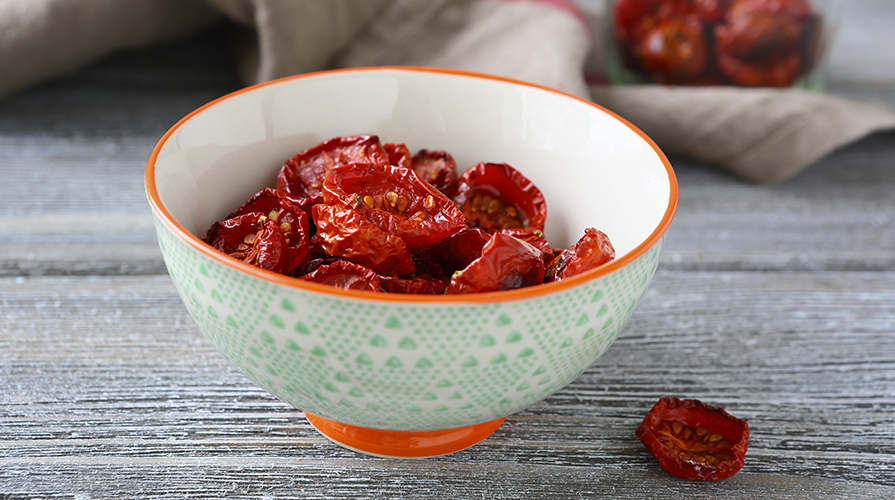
x: 593, y: 169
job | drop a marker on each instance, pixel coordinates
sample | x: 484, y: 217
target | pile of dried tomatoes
x: 359, y: 214
x: 755, y: 43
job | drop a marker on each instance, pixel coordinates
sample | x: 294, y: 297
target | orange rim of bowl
x: 502, y: 296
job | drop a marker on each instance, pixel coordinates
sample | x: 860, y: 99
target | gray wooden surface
x: 777, y: 303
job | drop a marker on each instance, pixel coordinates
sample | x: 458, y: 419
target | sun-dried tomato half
x: 591, y: 251
x: 496, y: 196
x: 292, y: 221
x: 506, y: 263
x: 762, y: 36
x: 777, y: 73
x: 693, y: 440
x: 398, y: 154
x: 344, y: 232
x: 396, y: 200
x: 674, y: 51
x: 455, y: 252
x: 712, y: 11
x: 301, y: 177
x: 253, y: 239
x: 798, y: 9
x: 438, y: 168
x: 345, y: 275
x: 423, y: 284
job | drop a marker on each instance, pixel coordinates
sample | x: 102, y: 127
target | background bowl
x: 409, y: 375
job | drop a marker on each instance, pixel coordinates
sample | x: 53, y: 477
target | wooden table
x: 777, y: 303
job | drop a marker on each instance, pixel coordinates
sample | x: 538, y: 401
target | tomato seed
x: 429, y: 202
x: 402, y: 203
x: 391, y: 197
x: 368, y: 201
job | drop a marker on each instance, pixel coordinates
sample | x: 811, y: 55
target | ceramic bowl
x: 412, y: 375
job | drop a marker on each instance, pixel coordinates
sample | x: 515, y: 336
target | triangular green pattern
x: 523, y: 386
x: 378, y: 341
x: 598, y: 295
x: 231, y: 322
x: 292, y: 346
x: 356, y: 392
x: 455, y: 395
x: 407, y: 343
x: 266, y: 337
x: 346, y: 403
x: 429, y: 397
x: 469, y: 362
x: 566, y: 343
x: 582, y: 319
x: 198, y: 285
x: 424, y: 363
x: 342, y: 377
x: 204, y: 270
x: 444, y: 383
x: 499, y: 358
x: 302, y: 328
x: 514, y: 336
x: 603, y: 310
x: 318, y: 351
x: 329, y: 386
x: 363, y: 359
x: 440, y: 408
x: 487, y: 341
x: 607, y: 324
x: 212, y: 313
x: 277, y: 321
x: 394, y: 362
x: 414, y: 409
x: 393, y: 322
x: 544, y: 380
x: 524, y: 353
x: 287, y: 305
x: 216, y: 296
x: 540, y: 370
x: 503, y: 320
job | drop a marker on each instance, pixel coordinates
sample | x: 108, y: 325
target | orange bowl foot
x: 402, y: 444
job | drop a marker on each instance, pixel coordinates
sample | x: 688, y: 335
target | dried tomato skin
x: 675, y: 51
x: 495, y: 196
x: 506, y: 263
x: 693, y: 440
x: 455, y: 252
x: 398, y: 154
x: 396, y: 200
x: 591, y: 251
x: 438, y: 168
x: 346, y: 275
x: 777, y: 73
x: 344, y: 232
x: 228, y: 234
x: 292, y: 220
x: 301, y: 176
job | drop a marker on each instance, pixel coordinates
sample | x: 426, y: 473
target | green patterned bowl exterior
x: 400, y: 362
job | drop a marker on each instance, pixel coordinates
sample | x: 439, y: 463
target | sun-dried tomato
x: 346, y: 275
x: 674, y: 51
x: 761, y: 36
x: 253, y: 239
x: 438, y: 168
x: 693, y: 440
x: 591, y: 251
x: 291, y: 220
x: 496, y: 196
x: 396, y: 200
x: 455, y: 252
x: 344, y: 232
x: 301, y: 176
x: 398, y: 154
x: 506, y: 263
x: 711, y: 11
x: 776, y: 73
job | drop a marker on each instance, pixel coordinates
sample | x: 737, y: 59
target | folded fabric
x: 762, y: 135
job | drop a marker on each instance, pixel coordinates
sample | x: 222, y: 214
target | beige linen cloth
x: 761, y: 135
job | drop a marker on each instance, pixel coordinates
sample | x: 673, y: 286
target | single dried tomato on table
x: 495, y: 196
x: 396, y: 200
x: 693, y: 440
x: 675, y: 51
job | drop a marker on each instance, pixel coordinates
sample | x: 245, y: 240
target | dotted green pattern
x: 382, y: 365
